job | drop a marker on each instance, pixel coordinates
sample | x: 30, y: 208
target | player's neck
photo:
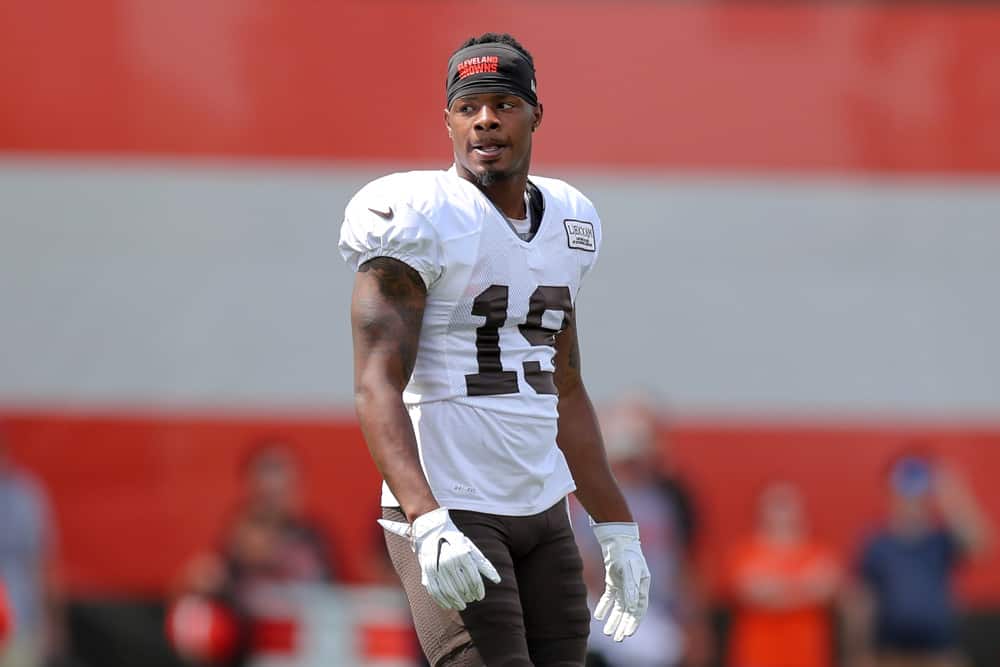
x: 508, y: 195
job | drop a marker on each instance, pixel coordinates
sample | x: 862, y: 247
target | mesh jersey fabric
x: 495, y: 304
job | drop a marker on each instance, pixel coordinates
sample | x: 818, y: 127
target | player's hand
x: 451, y: 566
x: 626, y: 579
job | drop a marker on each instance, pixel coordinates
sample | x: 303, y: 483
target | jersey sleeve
x: 378, y: 227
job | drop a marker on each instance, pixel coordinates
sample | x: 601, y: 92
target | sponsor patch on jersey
x: 580, y: 235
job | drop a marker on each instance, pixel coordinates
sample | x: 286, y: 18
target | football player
x: 468, y: 385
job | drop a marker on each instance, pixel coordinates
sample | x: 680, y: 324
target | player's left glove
x: 626, y: 579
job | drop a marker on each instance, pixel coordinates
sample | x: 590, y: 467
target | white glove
x: 450, y: 564
x: 626, y: 579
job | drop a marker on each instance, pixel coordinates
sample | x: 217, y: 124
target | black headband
x: 491, y: 68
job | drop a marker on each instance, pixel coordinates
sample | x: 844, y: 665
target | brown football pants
x: 536, y: 615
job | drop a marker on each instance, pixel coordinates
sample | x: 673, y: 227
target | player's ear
x: 447, y: 123
x: 537, y: 120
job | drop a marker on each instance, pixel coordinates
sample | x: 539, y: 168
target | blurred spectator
x: 783, y: 583
x: 635, y: 447
x: 27, y: 550
x: 674, y: 630
x: 904, y: 613
x: 6, y: 617
x: 269, y: 545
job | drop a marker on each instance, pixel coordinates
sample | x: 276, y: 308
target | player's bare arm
x: 580, y: 436
x: 387, y: 308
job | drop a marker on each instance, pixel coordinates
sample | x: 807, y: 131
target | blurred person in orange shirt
x: 269, y: 543
x: 903, y: 612
x: 27, y: 567
x: 676, y: 629
x: 784, y: 584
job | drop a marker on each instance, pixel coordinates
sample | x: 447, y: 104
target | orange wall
x: 899, y: 87
x: 137, y: 495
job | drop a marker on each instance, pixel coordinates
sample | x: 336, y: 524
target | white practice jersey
x: 482, y: 397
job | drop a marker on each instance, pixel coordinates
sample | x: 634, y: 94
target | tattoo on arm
x: 396, y: 280
x: 395, y: 313
x: 567, y: 361
x: 573, y: 358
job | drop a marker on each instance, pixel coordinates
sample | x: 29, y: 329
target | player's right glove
x: 451, y: 566
x: 626, y: 579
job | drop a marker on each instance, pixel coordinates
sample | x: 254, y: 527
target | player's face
x: 491, y: 134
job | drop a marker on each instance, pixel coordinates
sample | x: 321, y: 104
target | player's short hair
x: 497, y: 38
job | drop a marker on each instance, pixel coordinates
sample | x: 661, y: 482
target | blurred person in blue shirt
x: 904, y: 613
x: 27, y: 547
x: 675, y: 627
